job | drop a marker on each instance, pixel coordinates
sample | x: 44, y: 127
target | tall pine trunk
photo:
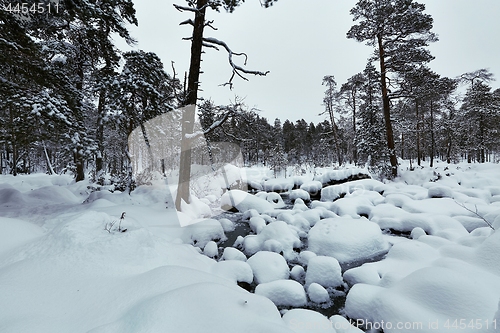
x: 387, y: 109
x: 188, y: 116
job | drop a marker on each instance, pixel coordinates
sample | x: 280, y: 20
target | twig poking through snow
x: 475, y: 213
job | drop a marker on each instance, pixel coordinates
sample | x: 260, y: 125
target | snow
x: 299, y: 194
x: 230, y: 253
x: 347, y: 239
x: 278, y: 185
x: 283, y: 292
x: 317, y: 293
x: 278, y: 231
x: 268, y: 266
x: 233, y: 270
x: 324, y: 271
x: 211, y: 249
x: 307, y: 321
x: 61, y: 271
x: 312, y: 187
x: 244, y: 201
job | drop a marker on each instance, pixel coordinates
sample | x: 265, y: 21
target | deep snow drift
x: 62, y: 271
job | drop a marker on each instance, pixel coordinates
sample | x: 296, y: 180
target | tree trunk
x: 387, y: 109
x: 419, y: 153
x: 188, y: 116
x: 354, y: 150
x: 100, y: 135
x: 433, y: 143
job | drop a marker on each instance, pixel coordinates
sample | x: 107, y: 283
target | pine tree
x: 399, y: 31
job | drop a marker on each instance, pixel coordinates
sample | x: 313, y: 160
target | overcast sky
x: 300, y: 41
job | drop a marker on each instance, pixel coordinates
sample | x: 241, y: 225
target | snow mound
x: 347, y: 239
x: 233, y: 270
x: 170, y: 312
x: 277, y: 231
x: 299, y: 194
x: 440, y: 192
x: 243, y: 201
x: 16, y: 233
x: 230, y: 253
x: 332, y: 177
x: 283, y: 292
x: 317, y: 293
x: 333, y: 192
x: 204, y: 231
x: 307, y: 321
x: 324, y: 271
x: 268, y: 266
x: 279, y: 185
x: 313, y: 187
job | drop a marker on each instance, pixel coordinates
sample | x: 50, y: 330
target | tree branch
x: 238, y: 70
x: 475, y: 213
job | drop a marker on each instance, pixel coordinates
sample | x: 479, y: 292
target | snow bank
x: 217, y: 308
x: 307, y: 321
x: 346, y: 239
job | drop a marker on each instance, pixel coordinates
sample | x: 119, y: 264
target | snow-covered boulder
x: 283, y: 292
x: 299, y: 194
x: 233, y: 270
x: 317, y: 293
x: 277, y: 231
x: 298, y: 273
x: 440, y: 192
x: 227, y: 225
x: 268, y: 266
x: 347, y: 239
x: 243, y: 201
x: 325, y: 271
x: 257, y: 223
x: 313, y: 187
x: 211, y: 250
x: 200, y: 233
x: 279, y: 185
x: 230, y: 253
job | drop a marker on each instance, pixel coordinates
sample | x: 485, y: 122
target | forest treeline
x: 69, y: 99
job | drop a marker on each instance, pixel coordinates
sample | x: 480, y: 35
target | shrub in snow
x: 211, y: 250
x: 230, y: 253
x: 299, y: 194
x: 347, y: 239
x: 324, y: 271
x: 268, y: 266
x: 307, y: 321
x: 317, y: 293
x: 283, y: 292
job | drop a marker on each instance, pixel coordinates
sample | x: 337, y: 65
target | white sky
x: 300, y: 41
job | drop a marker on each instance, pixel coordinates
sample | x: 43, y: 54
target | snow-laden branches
x: 237, y: 70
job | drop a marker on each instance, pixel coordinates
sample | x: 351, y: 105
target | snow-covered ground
x: 62, y: 271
